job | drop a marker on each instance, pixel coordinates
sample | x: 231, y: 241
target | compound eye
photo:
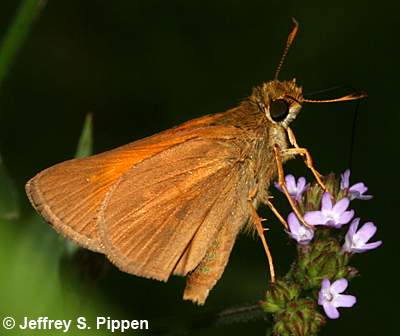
x: 279, y: 109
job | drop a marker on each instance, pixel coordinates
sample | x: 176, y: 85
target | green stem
x: 26, y: 14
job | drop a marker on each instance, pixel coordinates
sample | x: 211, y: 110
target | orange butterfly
x: 174, y: 203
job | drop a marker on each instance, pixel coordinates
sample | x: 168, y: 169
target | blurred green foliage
x: 9, y: 207
x: 34, y: 281
x: 85, y: 144
x: 18, y: 30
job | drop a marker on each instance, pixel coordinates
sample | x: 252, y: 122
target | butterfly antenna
x: 351, y: 96
x: 289, y: 42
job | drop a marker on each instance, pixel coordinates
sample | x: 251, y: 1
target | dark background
x: 144, y: 66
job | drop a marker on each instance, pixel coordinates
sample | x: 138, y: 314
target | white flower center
x: 328, y: 296
x: 293, y: 192
x: 356, y: 241
x: 331, y: 217
x: 303, y: 233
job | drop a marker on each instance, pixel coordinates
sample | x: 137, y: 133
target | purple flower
x: 330, y: 215
x: 357, y: 190
x: 330, y: 297
x: 356, y: 241
x: 296, y: 189
x: 298, y: 231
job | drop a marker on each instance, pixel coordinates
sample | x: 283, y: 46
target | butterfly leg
x: 297, y: 150
x: 260, y: 230
x: 282, y: 184
x: 275, y: 211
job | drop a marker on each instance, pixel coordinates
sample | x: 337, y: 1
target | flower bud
x: 323, y: 259
x: 332, y: 184
x: 279, y: 295
x: 313, y: 197
x: 300, y: 318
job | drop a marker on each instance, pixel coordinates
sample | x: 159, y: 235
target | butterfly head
x: 279, y: 100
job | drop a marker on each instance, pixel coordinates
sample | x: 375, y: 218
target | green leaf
x: 85, y: 145
x: 9, y: 208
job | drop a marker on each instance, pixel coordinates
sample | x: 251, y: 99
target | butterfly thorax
x: 262, y: 120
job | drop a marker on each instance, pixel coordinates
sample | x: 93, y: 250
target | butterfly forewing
x: 68, y: 195
x: 160, y: 217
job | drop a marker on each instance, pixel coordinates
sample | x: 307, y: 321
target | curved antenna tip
x: 349, y: 97
x: 290, y: 39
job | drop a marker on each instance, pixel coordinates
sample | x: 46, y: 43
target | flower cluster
x: 332, y: 215
x: 321, y: 273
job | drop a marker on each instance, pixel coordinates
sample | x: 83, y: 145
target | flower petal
x: 345, y: 217
x: 344, y: 300
x: 326, y: 202
x: 315, y: 218
x: 325, y: 284
x: 345, y: 181
x: 290, y: 182
x: 330, y: 310
x: 294, y: 223
x: 366, y: 232
x: 357, y: 192
x: 301, y: 183
x: 341, y: 206
x: 353, y: 227
x: 347, y: 246
x: 359, y: 188
x: 339, y: 286
x: 367, y: 247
